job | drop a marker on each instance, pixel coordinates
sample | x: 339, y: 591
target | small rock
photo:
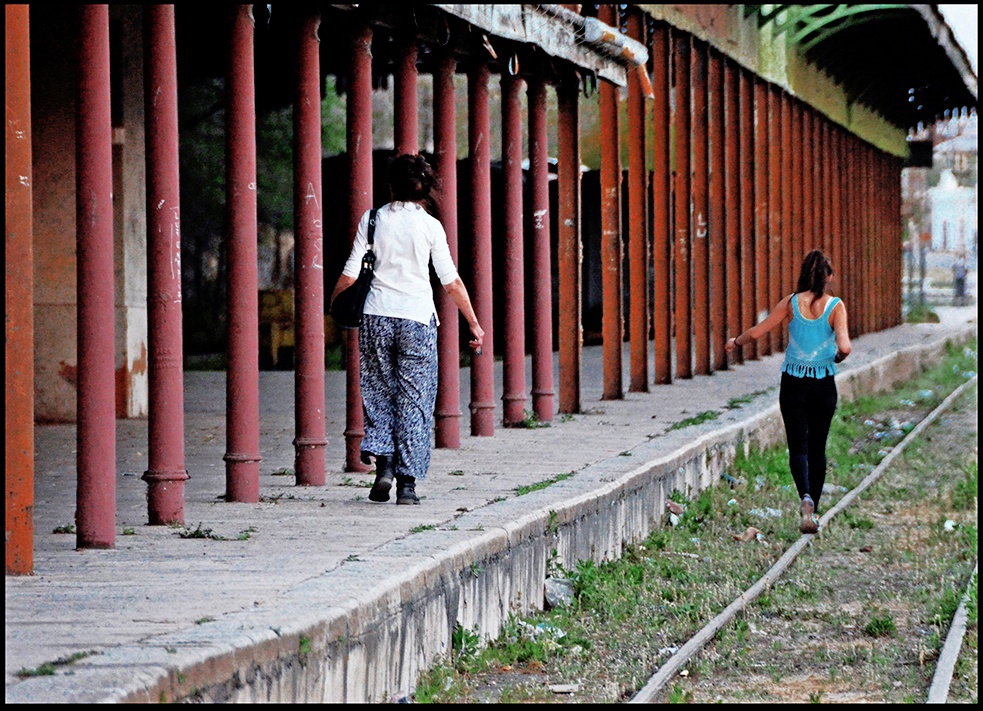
x: 564, y: 688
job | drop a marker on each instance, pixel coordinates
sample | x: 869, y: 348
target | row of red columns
x: 756, y: 180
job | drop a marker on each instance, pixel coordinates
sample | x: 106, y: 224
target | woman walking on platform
x: 818, y: 338
x: 397, y: 340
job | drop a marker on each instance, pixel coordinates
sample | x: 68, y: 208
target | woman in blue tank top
x: 818, y: 338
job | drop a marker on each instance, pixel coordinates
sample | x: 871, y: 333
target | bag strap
x: 371, y: 226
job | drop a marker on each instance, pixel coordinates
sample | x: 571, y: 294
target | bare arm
x: 842, y: 333
x: 459, y: 293
x: 778, y: 314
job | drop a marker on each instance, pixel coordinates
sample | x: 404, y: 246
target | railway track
x: 675, y: 668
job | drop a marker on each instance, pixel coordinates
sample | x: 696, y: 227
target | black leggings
x: 807, y: 406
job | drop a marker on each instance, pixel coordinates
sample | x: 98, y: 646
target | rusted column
x: 808, y: 221
x: 242, y: 376
x: 700, y: 254
x: 482, y: 367
x: 748, y: 210
x: 405, y: 97
x: 18, y: 297
x: 797, y: 236
x: 447, y: 414
x: 762, y: 198
x: 718, y: 229
x: 359, y: 148
x: 827, y: 192
x: 95, y: 515
x: 611, y: 255
x: 309, y: 442
x: 514, y: 357
x: 872, y: 245
x: 166, y: 474
x: 539, y: 244
x: 854, y: 248
x: 785, y: 267
x: 732, y: 206
x: 681, y: 224
x: 638, y: 330
x: 569, y: 249
x: 817, y: 180
x: 843, y: 183
x: 836, y: 199
x: 662, y: 306
x: 776, y: 229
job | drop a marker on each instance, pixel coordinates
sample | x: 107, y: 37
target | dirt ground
x: 861, y: 615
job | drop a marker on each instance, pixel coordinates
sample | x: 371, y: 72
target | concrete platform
x: 317, y: 594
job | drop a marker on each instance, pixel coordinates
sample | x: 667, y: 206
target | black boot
x: 406, y: 490
x: 383, y: 479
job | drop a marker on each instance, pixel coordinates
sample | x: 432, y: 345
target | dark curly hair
x: 412, y: 178
x: 815, y: 273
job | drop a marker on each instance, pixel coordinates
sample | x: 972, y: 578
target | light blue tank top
x: 811, y: 343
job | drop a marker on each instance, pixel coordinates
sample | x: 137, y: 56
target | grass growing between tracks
x: 628, y: 616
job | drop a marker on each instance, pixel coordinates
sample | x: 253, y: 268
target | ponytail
x: 815, y: 273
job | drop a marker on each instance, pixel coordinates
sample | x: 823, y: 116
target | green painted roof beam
x: 852, y: 17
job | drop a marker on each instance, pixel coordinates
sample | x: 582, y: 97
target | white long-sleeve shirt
x: 407, y: 238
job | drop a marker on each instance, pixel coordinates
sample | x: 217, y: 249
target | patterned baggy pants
x: 398, y: 359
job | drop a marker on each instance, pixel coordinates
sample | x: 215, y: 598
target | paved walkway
x: 158, y: 588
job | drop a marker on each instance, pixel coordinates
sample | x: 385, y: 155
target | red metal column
x: 166, y: 474
x: 611, y: 255
x: 681, y: 225
x: 447, y: 414
x: 482, y: 367
x: 732, y: 206
x: 310, y: 441
x: 539, y: 243
x: 864, y: 256
x: 662, y: 306
x: 242, y: 376
x: 514, y: 358
x: 570, y: 337
x: 638, y: 329
x: 749, y: 211
x: 776, y: 229
x: 808, y: 219
x: 700, y: 254
x: 866, y: 284
x: 718, y: 231
x: 836, y: 199
x: 817, y: 178
x: 19, y: 297
x: 359, y: 149
x: 798, y: 250
x: 95, y: 515
x: 872, y: 244
x: 839, y: 255
x: 785, y: 267
x: 827, y: 192
x: 405, y: 98
x: 762, y: 231
x: 855, y: 246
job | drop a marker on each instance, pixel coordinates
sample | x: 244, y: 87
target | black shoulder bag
x: 347, y: 307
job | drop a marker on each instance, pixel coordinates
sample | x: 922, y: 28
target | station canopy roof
x: 902, y: 61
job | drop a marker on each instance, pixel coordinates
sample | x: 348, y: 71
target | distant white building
x: 953, y: 215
